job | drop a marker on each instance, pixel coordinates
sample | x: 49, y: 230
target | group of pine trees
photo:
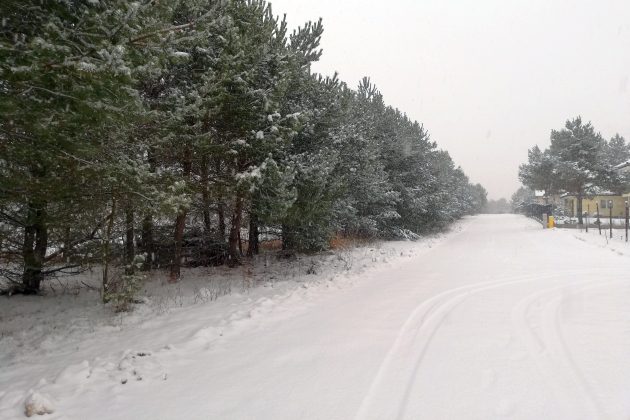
x: 524, y: 195
x: 579, y: 161
x: 500, y: 206
x: 148, y: 128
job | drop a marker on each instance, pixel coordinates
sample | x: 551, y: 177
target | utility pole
x: 599, y: 222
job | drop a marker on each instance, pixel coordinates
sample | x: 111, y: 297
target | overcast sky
x: 488, y: 78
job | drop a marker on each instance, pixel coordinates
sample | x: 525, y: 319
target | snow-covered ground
x: 500, y: 319
x: 602, y: 240
x: 50, y: 345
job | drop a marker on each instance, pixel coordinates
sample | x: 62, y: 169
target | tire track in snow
x: 536, y: 346
x: 551, y: 353
x: 425, y: 319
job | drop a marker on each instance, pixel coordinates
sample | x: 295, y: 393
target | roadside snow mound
x: 37, y: 404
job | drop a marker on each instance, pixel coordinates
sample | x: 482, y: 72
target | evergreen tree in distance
x: 578, y: 161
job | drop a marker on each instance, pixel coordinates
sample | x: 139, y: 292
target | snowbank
x: 67, y: 344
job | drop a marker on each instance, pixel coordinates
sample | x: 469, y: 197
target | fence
x: 605, y: 225
x: 536, y: 211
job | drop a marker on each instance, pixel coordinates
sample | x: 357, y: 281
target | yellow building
x: 589, y: 205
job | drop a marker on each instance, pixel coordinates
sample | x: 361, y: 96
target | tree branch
x: 78, y: 241
x: 56, y: 270
x: 12, y: 219
x: 174, y: 28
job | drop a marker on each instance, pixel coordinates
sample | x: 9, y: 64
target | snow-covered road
x: 500, y: 320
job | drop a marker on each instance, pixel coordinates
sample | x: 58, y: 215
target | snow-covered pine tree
x: 314, y: 153
x: 66, y: 98
x: 523, y: 195
x: 243, y: 102
x: 577, y: 154
x: 616, y: 152
x: 538, y: 172
x: 368, y: 205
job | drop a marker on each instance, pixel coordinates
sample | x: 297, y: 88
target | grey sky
x: 487, y: 78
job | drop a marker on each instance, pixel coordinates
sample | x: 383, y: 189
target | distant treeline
x: 499, y: 206
x: 140, y: 134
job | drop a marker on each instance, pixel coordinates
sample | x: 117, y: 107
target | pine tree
x: 577, y: 151
x: 309, y: 224
x: 575, y: 163
x: 538, y: 173
x: 616, y: 152
x: 368, y: 207
x: 523, y: 195
x: 66, y: 93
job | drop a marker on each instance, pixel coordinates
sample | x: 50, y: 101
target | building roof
x: 593, y: 194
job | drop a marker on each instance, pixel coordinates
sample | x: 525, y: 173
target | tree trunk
x: 107, y: 250
x: 205, y: 197
x: 148, y: 246
x: 147, y: 242
x: 67, y: 241
x: 206, y: 220
x: 34, y: 247
x: 252, y: 249
x: 285, y: 237
x: 579, y: 207
x: 130, y: 249
x: 30, y: 278
x: 221, y: 216
x: 180, y: 225
x: 233, y: 245
x: 220, y: 203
